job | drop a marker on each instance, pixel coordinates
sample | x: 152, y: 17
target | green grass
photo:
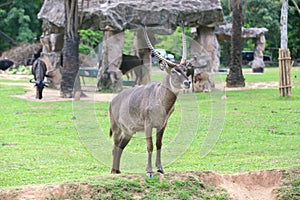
x: 187, y: 187
x: 39, y: 142
x: 291, y: 186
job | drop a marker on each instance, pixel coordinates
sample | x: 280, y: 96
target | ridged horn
x: 183, y: 59
x: 171, y: 64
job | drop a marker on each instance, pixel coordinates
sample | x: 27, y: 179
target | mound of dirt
x: 251, y: 186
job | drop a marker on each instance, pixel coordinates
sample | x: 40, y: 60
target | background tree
x: 294, y: 30
x: 266, y: 13
x: 18, y: 20
x: 235, y: 77
x: 70, y: 68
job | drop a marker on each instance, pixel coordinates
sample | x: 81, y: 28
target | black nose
x: 187, y: 83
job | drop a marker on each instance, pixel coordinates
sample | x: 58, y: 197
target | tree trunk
x: 235, y: 77
x: 70, y: 79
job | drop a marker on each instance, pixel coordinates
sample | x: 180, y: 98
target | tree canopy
x: 18, y: 20
x: 266, y: 13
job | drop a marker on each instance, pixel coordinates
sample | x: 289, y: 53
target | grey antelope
x: 145, y: 107
x: 39, y: 70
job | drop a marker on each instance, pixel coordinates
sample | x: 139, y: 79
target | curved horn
x: 183, y: 59
x: 171, y: 64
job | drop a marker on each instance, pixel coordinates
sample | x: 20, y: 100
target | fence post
x: 285, y: 86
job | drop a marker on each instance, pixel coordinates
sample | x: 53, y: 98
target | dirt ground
x: 50, y: 95
x: 242, y: 186
x: 247, y: 186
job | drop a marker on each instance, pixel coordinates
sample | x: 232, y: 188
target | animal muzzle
x: 186, y: 84
x: 39, y: 87
x: 39, y: 90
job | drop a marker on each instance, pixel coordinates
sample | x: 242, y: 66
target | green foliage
x: 21, y: 70
x: 128, y: 43
x: 19, y: 21
x: 90, y: 38
x: 85, y: 49
x: 266, y: 13
x: 173, y: 43
x: 294, y: 31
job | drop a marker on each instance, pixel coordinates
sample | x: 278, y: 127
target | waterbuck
x: 39, y: 70
x: 145, y: 107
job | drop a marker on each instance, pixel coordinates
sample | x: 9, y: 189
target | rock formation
x: 224, y: 33
x: 115, y: 16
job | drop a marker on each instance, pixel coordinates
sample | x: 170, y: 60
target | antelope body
x: 144, y: 108
x: 39, y: 70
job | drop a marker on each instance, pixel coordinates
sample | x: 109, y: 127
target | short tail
x: 110, y: 132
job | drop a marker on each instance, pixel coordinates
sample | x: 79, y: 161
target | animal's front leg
x: 150, y: 150
x: 159, y: 136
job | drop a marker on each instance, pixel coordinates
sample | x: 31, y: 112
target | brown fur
x: 143, y: 108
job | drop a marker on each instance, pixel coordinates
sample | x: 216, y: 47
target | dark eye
x: 174, y: 71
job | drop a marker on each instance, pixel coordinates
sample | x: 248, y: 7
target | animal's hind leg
x: 120, y: 144
x: 159, y: 136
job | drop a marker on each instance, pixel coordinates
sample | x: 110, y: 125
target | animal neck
x: 166, y: 94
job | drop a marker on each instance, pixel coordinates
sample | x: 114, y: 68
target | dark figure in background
x: 35, y: 56
x: 5, y: 64
x: 39, y: 70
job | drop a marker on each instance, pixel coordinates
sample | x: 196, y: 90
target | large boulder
x: 224, y: 32
x: 130, y: 14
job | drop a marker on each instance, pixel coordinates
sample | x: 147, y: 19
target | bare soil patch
x: 50, y: 95
x: 241, y: 186
x: 253, y: 186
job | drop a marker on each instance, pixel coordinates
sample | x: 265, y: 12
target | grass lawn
x: 40, y: 141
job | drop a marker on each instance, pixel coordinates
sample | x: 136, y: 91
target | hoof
x: 160, y: 171
x: 115, y: 171
x: 149, y: 174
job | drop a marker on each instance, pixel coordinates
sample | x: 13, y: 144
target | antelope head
x: 177, y: 72
x: 39, y: 87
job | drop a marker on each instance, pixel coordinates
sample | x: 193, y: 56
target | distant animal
x: 39, y: 70
x: 129, y: 62
x: 129, y: 65
x: 203, y: 82
x: 145, y: 107
x: 191, y: 72
x: 5, y: 64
